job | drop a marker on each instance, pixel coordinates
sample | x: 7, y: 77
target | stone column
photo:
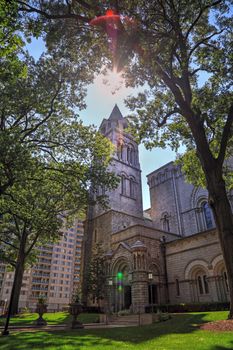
x: 139, y: 278
x: 139, y: 291
x: 213, y: 288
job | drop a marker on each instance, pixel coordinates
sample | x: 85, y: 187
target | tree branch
x: 165, y: 118
x: 203, y: 42
x: 227, y: 132
x: 199, y: 16
x: 8, y: 243
x: 29, y: 8
x: 31, y: 130
x: 32, y: 244
x: 7, y: 259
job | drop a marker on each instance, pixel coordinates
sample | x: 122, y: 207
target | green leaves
x: 96, y: 274
x: 48, y: 159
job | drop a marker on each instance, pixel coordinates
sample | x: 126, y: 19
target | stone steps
x: 124, y: 320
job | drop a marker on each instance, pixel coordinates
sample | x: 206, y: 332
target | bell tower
x: 124, y: 203
x: 125, y: 163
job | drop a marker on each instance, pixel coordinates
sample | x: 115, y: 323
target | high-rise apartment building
x: 56, y: 276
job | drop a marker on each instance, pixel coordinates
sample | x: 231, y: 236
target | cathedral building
x: 169, y: 253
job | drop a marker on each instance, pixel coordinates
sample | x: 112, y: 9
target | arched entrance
x: 121, y: 298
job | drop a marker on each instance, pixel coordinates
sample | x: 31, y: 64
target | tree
x: 96, y: 275
x: 31, y: 215
x: 48, y: 158
x: 10, y: 41
x: 180, y: 40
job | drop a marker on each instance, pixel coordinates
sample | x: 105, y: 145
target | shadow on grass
x: 222, y: 347
x: 51, y: 318
x: 135, y: 337
x: 30, y: 318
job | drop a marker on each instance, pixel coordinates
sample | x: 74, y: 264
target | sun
x: 109, y: 87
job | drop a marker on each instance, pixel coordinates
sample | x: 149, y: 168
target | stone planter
x: 74, y: 310
x: 41, y: 309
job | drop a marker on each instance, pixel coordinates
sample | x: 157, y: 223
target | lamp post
x: 150, y: 278
x: 110, y: 284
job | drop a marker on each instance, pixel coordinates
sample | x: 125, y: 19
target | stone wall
x: 173, y: 197
x: 190, y: 257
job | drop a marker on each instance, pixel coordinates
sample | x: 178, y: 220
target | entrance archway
x: 121, y: 289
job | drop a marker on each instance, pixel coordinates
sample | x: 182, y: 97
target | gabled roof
x: 116, y: 114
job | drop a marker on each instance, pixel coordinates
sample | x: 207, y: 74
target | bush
x: 189, y: 307
x: 92, y: 309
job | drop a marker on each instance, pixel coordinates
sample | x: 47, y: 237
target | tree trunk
x: 224, y: 223
x: 18, y: 277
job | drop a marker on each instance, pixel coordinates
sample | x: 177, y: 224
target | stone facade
x: 196, y: 271
x: 168, y: 254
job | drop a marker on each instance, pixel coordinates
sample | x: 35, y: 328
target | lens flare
x: 123, y: 36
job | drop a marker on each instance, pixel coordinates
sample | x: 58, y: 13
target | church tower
x: 124, y: 203
x: 127, y: 198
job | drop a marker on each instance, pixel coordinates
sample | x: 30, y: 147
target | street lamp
x: 150, y: 277
x: 108, y: 298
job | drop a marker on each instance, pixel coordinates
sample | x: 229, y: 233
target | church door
x: 128, y: 299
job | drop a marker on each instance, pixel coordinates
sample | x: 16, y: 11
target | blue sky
x: 100, y: 101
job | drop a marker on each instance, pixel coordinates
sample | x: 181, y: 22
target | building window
x: 207, y: 215
x: 206, y: 285
x: 203, y: 285
x: 130, y: 154
x: 200, y: 286
x: 120, y: 150
x: 132, y: 187
x: 165, y: 222
x: 177, y: 288
x: 123, y: 185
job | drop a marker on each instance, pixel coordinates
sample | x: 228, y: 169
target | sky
x: 100, y: 101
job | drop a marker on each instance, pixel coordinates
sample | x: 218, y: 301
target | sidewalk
x: 33, y: 328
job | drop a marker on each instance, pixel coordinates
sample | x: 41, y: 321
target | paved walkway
x: 32, y: 328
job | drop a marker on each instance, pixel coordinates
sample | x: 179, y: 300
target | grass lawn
x: 51, y: 318
x: 179, y: 333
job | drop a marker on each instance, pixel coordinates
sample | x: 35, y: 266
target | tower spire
x: 116, y: 114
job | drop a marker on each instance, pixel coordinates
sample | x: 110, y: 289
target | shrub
x: 189, y: 307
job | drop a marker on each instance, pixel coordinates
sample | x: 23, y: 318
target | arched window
x: 206, y: 284
x: 132, y: 187
x: 130, y: 154
x: 207, y: 215
x: 200, y: 286
x: 120, y: 150
x: 166, y: 222
x: 203, y: 285
x: 123, y: 184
